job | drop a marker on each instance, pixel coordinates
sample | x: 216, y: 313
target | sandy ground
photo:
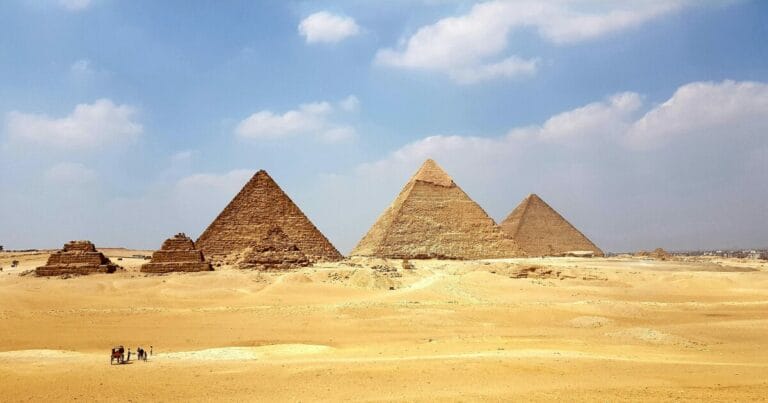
x: 522, y: 329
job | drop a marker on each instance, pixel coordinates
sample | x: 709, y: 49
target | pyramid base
x: 176, y: 267
x: 274, y: 266
x: 80, y: 270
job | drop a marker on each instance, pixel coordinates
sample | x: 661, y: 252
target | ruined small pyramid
x: 177, y: 254
x: 541, y: 231
x: 77, y: 257
x: 259, y: 206
x: 274, y: 251
x: 433, y: 218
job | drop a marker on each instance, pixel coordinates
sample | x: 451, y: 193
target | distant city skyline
x: 645, y: 124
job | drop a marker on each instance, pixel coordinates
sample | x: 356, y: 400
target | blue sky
x: 644, y: 123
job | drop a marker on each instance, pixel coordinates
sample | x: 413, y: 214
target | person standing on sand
x: 129, y: 355
x: 150, y: 350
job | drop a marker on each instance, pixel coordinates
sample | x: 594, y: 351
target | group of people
x: 119, y: 353
x: 141, y: 353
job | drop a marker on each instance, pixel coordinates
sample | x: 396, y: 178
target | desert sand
x: 605, y: 329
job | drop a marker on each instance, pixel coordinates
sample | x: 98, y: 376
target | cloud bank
x: 88, y: 126
x: 474, y: 47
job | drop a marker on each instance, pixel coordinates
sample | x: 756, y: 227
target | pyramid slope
x: 259, y: 206
x: 541, y: 231
x: 433, y: 218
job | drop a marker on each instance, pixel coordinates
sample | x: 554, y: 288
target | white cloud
x: 510, y: 67
x: 309, y: 119
x: 605, y: 118
x: 268, y: 125
x: 729, y: 109
x: 562, y: 25
x: 327, y: 28
x: 88, y: 126
x: 470, y: 48
x: 75, y: 5
x: 70, y: 174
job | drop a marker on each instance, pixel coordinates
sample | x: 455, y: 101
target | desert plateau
x: 574, y: 329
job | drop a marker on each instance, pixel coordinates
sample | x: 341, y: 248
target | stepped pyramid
x: 542, y: 231
x: 177, y: 254
x: 77, y: 257
x: 274, y: 251
x: 433, y: 218
x: 259, y: 206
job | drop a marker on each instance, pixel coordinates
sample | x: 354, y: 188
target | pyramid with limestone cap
x: 541, y: 231
x: 433, y: 218
x: 260, y: 206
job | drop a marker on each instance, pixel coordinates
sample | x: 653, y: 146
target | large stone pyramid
x: 177, y: 254
x: 433, y: 218
x: 77, y: 257
x: 542, y: 231
x: 259, y: 206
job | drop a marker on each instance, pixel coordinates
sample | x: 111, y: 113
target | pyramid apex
x: 263, y: 175
x: 433, y: 173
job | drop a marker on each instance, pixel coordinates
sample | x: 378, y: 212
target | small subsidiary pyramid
x: 433, y: 218
x: 274, y: 251
x: 76, y: 257
x: 177, y: 254
x: 259, y: 206
x: 541, y: 231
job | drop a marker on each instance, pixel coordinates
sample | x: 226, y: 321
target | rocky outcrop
x: 274, y: 251
x: 259, y: 206
x: 177, y: 254
x: 77, y: 257
x: 539, y: 230
x: 433, y: 218
x: 657, y: 254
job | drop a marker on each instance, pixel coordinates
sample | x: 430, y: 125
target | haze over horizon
x: 645, y: 124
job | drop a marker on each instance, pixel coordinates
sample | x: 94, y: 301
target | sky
x: 645, y: 123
